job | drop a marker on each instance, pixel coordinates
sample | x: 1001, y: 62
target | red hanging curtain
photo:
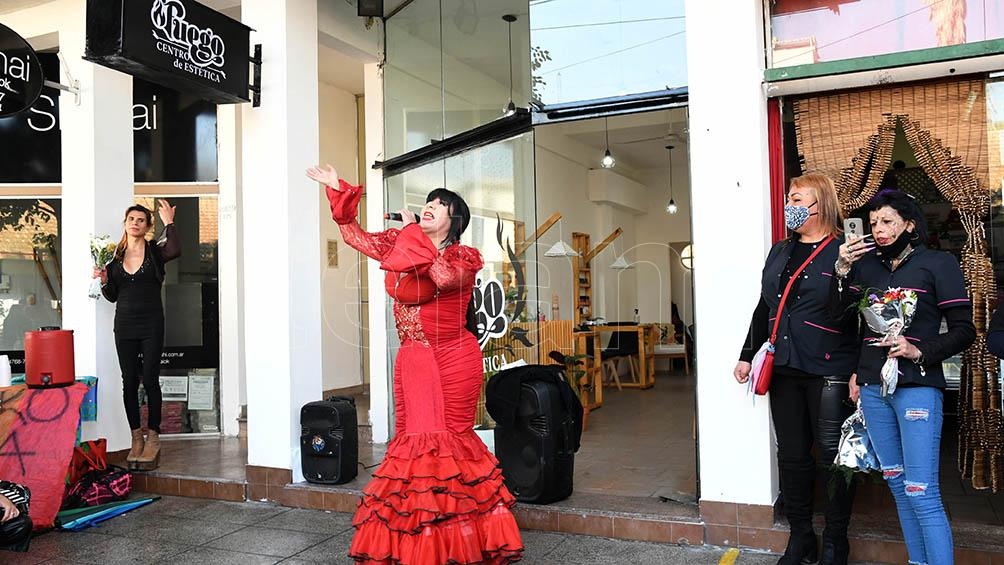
x: 775, y: 152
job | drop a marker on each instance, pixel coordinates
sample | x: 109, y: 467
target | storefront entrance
x: 938, y: 142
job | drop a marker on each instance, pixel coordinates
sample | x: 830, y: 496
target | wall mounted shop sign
x: 21, y: 75
x: 180, y: 44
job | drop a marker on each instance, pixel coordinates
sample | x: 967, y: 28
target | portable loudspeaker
x: 536, y: 454
x: 329, y: 441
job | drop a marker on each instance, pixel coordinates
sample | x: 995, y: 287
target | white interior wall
x: 563, y: 172
x: 340, y: 293
x: 655, y: 231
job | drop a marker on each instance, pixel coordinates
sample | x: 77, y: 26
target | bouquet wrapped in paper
x: 889, y: 313
x: 102, y: 253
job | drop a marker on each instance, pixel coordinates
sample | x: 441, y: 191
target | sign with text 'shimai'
x: 180, y: 44
x: 21, y: 75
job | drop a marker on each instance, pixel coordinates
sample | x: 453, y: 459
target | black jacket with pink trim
x: 808, y: 339
x: 941, y: 294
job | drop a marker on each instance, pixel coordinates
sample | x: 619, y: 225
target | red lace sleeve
x: 413, y: 251
x: 375, y: 245
x: 456, y: 267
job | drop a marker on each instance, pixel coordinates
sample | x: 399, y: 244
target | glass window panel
x: 191, y: 312
x: 30, y: 279
x: 413, y: 79
x: 497, y: 183
x: 476, y: 60
x: 605, y: 48
x: 814, y: 31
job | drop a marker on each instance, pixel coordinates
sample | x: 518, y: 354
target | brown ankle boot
x: 150, y: 458
x: 137, y: 447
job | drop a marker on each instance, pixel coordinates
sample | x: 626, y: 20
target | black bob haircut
x: 460, y: 214
x: 905, y: 206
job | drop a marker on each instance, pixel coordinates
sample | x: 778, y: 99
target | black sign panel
x: 21, y: 75
x: 174, y: 135
x: 180, y: 44
x: 31, y: 142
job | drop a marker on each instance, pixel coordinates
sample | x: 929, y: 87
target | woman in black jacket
x: 814, y: 358
x: 133, y: 281
x: 904, y: 425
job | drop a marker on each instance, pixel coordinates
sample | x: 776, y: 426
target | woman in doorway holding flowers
x: 905, y: 424
x: 438, y: 496
x: 133, y: 281
x: 813, y: 360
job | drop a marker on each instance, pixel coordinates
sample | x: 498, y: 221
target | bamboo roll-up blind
x: 832, y: 129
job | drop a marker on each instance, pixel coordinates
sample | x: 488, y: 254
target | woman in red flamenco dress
x: 438, y: 497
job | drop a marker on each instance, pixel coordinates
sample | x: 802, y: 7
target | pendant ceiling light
x: 671, y: 207
x: 510, y: 108
x: 608, y: 161
x: 621, y: 263
x: 561, y: 249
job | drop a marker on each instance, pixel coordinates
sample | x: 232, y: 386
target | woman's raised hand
x: 324, y: 174
x: 166, y: 212
x: 100, y: 273
x: 853, y: 248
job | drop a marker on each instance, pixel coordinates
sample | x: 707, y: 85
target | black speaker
x: 329, y: 441
x: 370, y: 8
x: 536, y: 453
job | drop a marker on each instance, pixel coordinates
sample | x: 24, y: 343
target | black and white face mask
x: 796, y: 216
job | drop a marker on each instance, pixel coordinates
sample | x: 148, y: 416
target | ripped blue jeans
x: 905, y: 429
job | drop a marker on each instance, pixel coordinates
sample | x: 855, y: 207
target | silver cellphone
x: 854, y: 226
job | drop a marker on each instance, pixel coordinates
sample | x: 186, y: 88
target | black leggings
x: 807, y: 411
x: 133, y: 369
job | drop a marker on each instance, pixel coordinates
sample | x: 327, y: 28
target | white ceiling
x: 15, y: 5
x: 643, y: 155
x: 340, y: 70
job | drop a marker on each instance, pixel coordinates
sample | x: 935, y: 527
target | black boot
x: 796, y: 488
x: 835, y: 552
x: 839, y: 487
x: 840, y: 496
x: 802, y: 549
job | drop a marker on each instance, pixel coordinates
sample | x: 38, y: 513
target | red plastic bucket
x: 48, y: 358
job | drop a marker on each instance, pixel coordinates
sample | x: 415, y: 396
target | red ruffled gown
x: 438, y: 497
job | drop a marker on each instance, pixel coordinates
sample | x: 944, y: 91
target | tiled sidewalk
x: 196, y: 531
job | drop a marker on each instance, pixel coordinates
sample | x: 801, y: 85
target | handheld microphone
x: 396, y: 216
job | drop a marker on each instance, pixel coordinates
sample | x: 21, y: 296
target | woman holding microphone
x: 438, y: 496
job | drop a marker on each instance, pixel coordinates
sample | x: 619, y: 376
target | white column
x: 281, y: 241
x: 380, y: 377
x: 731, y: 229
x: 232, y: 284
x: 97, y: 155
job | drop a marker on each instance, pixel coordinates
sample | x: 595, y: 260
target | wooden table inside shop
x: 646, y: 356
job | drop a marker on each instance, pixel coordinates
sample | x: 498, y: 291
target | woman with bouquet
x: 438, y: 496
x: 133, y: 281
x: 904, y: 425
x: 814, y: 357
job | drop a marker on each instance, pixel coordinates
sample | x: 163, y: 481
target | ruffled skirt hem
x: 437, y: 499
